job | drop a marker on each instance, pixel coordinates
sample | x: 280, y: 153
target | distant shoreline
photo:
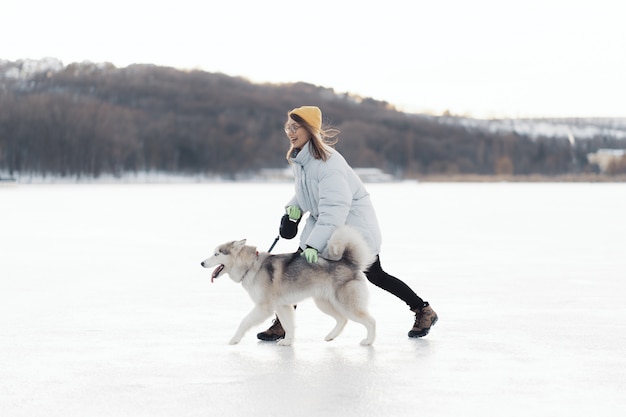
x: 522, y: 178
x: 182, y: 179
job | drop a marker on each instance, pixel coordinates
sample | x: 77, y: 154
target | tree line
x: 88, y: 120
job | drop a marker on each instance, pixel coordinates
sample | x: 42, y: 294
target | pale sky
x: 480, y: 58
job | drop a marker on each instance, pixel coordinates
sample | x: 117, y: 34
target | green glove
x: 311, y: 255
x: 294, y: 212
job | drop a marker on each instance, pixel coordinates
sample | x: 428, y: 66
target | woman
x: 333, y: 195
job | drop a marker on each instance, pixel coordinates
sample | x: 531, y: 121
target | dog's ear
x: 240, y: 243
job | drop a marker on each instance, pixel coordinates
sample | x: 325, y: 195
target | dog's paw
x: 366, y: 342
x: 234, y: 341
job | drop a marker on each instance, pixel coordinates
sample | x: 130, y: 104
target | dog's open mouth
x: 217, y: 271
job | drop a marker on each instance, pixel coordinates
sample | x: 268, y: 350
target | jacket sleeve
x: 335, y: 200
x: 293, y: 202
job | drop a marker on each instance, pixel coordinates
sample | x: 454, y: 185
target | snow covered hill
x: 571, y: 128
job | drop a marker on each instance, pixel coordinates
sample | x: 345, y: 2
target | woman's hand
x: 294, y: 212
x: 310, y: 254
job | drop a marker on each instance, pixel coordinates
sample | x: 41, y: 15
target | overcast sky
x: 481, y: 58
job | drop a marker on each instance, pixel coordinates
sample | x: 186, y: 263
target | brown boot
x: 424, y: 319
x: 274, y: 333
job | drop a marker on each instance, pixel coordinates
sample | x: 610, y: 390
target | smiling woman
x: 332, y: 194
x: 304, y: 125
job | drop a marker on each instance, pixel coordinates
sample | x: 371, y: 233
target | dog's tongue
x: 216, y: 272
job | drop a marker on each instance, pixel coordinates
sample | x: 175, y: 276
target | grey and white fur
x: 278, y: 282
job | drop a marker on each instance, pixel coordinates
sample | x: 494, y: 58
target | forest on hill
x: 87, y: 120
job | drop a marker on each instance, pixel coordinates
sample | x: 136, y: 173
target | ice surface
x: 105, y: 310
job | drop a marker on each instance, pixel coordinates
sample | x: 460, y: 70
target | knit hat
x: 311, y: 114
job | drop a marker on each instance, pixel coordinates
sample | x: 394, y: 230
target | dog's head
x: 224, y: 257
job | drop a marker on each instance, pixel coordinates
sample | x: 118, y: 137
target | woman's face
x: 297, y: 134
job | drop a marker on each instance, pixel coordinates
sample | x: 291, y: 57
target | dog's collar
x: 248, y: 270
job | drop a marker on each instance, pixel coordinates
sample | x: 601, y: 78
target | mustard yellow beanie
x: 311, y: 114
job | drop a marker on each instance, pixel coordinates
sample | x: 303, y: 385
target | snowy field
x: 105, y: 310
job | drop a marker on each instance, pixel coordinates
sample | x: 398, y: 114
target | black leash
x: 274, y: 244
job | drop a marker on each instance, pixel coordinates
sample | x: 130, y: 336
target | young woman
x: 333, y: 195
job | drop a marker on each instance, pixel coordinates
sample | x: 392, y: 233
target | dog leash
x: 273, y: 244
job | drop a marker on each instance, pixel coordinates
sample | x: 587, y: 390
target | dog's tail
x: 347, y: 244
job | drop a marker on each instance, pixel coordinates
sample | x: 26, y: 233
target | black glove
x: 288, y: 228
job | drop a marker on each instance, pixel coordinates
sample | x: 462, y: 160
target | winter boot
x: 274, y: 333
x: 424, y: 319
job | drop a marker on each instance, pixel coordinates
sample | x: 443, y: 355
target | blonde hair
x: 320, y: 143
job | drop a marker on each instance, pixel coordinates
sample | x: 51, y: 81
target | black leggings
x: 381, y: 279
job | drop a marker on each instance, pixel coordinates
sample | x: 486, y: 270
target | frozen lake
x: 105, y: 310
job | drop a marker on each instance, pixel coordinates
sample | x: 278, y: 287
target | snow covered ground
x: 105, y: 310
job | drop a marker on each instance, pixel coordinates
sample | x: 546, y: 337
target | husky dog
x: 277, y: 282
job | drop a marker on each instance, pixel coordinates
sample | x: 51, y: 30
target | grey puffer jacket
x: 333, y: 195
